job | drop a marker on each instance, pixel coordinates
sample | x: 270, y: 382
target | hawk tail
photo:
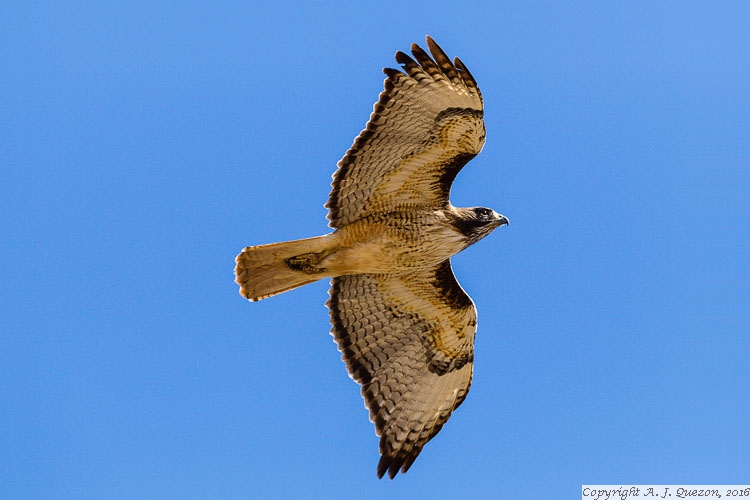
x: 266, y: 270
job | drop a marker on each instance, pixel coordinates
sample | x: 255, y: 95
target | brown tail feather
x: 266, y: 270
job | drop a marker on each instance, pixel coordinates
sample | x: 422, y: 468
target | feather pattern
x: 409, y: 340
x: 427, y: 124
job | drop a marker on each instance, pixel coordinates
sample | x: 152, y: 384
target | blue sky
x: 143, y: 144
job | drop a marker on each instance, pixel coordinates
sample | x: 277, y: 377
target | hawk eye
x: 483, y: 213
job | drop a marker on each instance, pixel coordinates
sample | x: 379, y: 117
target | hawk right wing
x: 427, y: 124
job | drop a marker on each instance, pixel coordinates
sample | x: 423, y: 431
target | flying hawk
x: 404, y: 325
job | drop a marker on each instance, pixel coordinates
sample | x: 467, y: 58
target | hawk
x: 403, y: 324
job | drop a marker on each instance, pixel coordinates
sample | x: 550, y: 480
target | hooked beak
x: 501, y: 220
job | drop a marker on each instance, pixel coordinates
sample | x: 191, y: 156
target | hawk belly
x: 398, y: 243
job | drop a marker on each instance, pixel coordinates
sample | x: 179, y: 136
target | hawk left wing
x: 409, y: 341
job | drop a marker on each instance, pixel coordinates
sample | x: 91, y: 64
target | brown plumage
x: 404, y: 325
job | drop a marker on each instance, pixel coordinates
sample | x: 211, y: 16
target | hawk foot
x: 306, y: 263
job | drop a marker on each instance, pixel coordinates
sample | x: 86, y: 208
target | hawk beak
x: 501, y: 220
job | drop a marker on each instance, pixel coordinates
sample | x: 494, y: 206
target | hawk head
x: 477, y: 222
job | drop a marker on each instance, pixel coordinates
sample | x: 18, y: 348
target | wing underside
x: 427, y: 124
x: 408, y: 340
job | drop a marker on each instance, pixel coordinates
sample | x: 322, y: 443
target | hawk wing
x: 427, y: 124
x: 409, y: 341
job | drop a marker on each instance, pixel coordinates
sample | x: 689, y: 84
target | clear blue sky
x: 143, y: 144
